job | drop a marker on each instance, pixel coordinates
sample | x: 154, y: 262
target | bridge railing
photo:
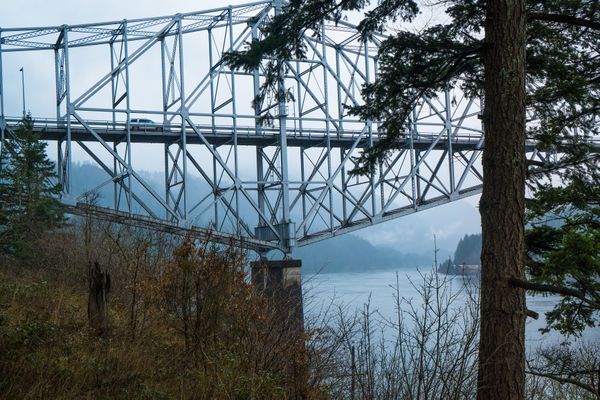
x: 466, y: 136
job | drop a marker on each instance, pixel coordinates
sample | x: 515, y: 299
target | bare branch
x: 562, y: 379
x: 532, y: 314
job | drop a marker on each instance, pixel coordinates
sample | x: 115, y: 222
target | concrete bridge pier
x: 281, y: 282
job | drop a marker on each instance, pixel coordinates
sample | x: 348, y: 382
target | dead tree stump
x: 98, y: 287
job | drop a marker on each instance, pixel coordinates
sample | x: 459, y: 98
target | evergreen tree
x: 563, y: 249
x: 28, y: 191
x: 485, y: 48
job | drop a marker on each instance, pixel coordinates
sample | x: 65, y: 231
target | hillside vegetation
x: 182, y: 320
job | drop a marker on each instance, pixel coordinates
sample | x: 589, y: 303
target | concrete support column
x: 281, y: 282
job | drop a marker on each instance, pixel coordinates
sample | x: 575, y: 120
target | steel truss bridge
x: 153, y: 93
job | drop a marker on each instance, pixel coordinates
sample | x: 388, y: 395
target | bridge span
x: 153, y: 93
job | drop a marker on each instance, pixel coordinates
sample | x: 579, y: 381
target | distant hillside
x: 468, y: 252
x: 349, y: 253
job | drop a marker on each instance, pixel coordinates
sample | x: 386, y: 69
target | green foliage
x: 28, y: 191
x: 562, y: 41
x: 564, y: 93
x: 283, y: 38
x: 564, y: 250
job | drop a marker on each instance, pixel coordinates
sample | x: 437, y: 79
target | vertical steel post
x: 165, y: 96
x: 327, y: 122
x: 211, y: 66
x: 213, y: 122
x: 302, y: 149
x: 340, y: 132
x: 184, y: 116
x: 448, y: 127
x: 304, y: 187
x: 299, y: 99
x: 260, y: 177
x: 344, y: 185
x: 113, y: 88
x: 411, y: 150
x: 339, y: 92
x: 58, y: 74
x: 2, y: 121
x: 67, y: 76
x: 165, y: 99
x: 300, y: 125
x: 370, y: 127
x: 128, y: 113
x: 58, y: 80
x: 235, y: 133
x: 281, y: 97
x: 418, y: 175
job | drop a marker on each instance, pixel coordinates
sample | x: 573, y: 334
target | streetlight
x: 23, y: 87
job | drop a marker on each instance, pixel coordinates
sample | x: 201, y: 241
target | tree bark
x: 98, y: 286
x: 502, y: 338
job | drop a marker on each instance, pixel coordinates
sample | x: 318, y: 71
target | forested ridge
x: 467, y: 253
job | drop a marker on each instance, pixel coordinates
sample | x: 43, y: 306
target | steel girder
x: 279, y: 186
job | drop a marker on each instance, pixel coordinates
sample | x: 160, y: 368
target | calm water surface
x: 378, y: 288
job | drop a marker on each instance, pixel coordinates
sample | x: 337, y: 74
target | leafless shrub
x: 565, y: 371
x: 428, y: 351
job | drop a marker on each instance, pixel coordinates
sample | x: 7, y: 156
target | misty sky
x: 412, y: 233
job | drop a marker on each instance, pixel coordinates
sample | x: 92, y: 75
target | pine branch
x: 540, y: 287
x: 562, y: 290
x: 565, y: 19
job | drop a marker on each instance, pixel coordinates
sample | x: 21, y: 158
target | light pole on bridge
x: 23, y: 88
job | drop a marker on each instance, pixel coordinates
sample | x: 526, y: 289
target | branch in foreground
x: 532, y: 314
x: 564, y: 380
x: 562, y: 290
x: 565, y: 19
x: 539, y: 287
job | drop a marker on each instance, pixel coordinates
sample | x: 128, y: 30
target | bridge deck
x: 224, y: 135
x: 247, y: 136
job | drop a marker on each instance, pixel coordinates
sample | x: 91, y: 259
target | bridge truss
x: 154, y: 94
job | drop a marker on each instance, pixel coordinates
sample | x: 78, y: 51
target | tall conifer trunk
x: 502, y: 341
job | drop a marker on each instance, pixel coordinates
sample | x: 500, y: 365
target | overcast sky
x: 18, y: 13
x: 412, y: 233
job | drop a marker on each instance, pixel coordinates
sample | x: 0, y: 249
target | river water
x: 354, y: 290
